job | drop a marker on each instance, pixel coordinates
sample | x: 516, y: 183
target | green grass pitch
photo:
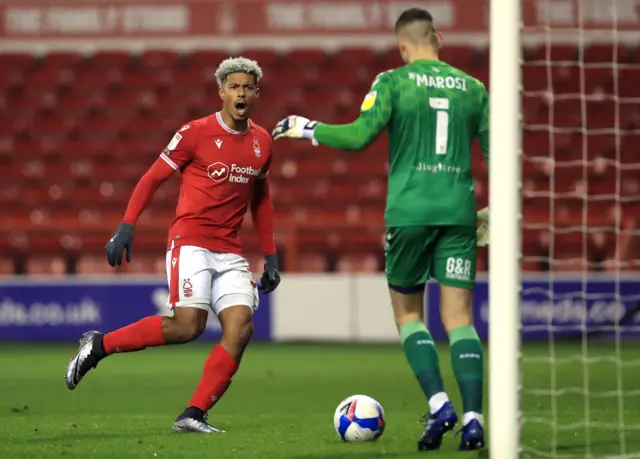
x: 282, y: 401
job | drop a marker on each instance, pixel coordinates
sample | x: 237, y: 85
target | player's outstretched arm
x: 122, y: 240
x: 142, y: 194
x: 375, y: 113
x: 174, y: 157
x: 262, y: 215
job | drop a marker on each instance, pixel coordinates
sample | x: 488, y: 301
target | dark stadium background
x: 92, y: 91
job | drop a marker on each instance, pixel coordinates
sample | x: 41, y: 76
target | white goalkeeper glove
x: 483, y: 229
x: 295, y: 127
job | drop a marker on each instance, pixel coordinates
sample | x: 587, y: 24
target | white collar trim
x: 228, y: 129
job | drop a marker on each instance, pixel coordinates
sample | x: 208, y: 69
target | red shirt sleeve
x: 174, y: 157
x: 180, y: 150
x: 262, y: 212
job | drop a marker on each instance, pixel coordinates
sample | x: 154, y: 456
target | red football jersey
x: 219, y: 168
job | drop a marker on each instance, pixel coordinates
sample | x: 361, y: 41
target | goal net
x: 580, y: 282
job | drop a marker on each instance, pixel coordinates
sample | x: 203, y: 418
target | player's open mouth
x: 241, y: 107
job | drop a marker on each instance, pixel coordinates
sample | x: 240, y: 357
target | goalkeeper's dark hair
x: 416, y: 24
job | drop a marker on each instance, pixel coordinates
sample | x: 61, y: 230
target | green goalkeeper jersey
x: 432, y: 113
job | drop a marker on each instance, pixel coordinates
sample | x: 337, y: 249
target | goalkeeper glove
x: 295, y: 127
x: 483, y: 229
x: 271, y: 276
x: 121, y: 240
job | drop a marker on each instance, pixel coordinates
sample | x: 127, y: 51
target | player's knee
x: 245, y: 332
x: 404, y: 318
x: 240, y: 332
x: 408, y: 306
x: 237, y: 325
x: 193, y: 331
x: 456, y: 307
x: 185, y: 332
x: 188, y: 324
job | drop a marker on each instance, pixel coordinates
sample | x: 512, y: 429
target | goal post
x: 504, y: 221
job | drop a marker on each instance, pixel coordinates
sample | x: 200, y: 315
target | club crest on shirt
x: 256, y: 148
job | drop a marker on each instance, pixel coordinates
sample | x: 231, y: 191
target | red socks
x: 218, y: 368
x: 135, y: 337
x: 216, y: 378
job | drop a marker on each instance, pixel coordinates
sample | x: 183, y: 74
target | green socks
x: 422, y: 356
x: 466, y: 360
x: 468, y: 366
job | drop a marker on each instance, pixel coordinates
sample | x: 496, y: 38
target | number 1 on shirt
x: 441, y: 105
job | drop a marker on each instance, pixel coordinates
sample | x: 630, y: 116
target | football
x: 359, y: 418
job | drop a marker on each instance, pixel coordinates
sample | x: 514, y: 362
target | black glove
x: 122, y: 239
x: 271, y: 277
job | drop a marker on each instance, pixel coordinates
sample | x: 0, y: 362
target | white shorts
x: 204, y: 279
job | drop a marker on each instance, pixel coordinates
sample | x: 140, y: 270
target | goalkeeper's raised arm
x: 375, y: 114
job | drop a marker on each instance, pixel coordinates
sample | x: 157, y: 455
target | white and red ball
x: 359, y: 418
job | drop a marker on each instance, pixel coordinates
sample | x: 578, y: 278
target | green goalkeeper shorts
x: 416, y: 253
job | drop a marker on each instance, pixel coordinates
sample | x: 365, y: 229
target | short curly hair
x: 237, y: 65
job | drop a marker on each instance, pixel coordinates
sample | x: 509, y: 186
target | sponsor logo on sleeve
x: 369, y: 101
x: 173, y: 144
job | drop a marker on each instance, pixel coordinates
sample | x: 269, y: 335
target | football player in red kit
x: 224, y: 161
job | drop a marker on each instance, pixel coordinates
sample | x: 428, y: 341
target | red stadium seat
x: 359, y: 263
x: 93, y: 265
x: 628, y: 81
x: 53, y: 124
x: 16, y: 62
x: 313, y: 263
x: 94, y: 77
x: 206, y: 59
x: 52, y: 266
x: 63, y: 60
x: 598, y: 80
x: 547, y: 53
x: 458, y: 56
x: 159, y: 59
x: 145, y: 264
x: 307, y: 57
x: 266, y: 59
x: 6, y: 266
x: 607, y: 53
x: 112, y: 60
x: 10, y: 79
x: 350, y: 57
x: 535, y: 78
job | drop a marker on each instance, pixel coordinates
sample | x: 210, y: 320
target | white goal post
x: 505, y: 211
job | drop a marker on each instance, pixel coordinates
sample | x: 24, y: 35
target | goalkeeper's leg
x: 408, y: 254
x: 455, y: 269
x: 466, y: 360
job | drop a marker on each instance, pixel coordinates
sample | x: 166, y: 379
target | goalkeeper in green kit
x: 432, y: 112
